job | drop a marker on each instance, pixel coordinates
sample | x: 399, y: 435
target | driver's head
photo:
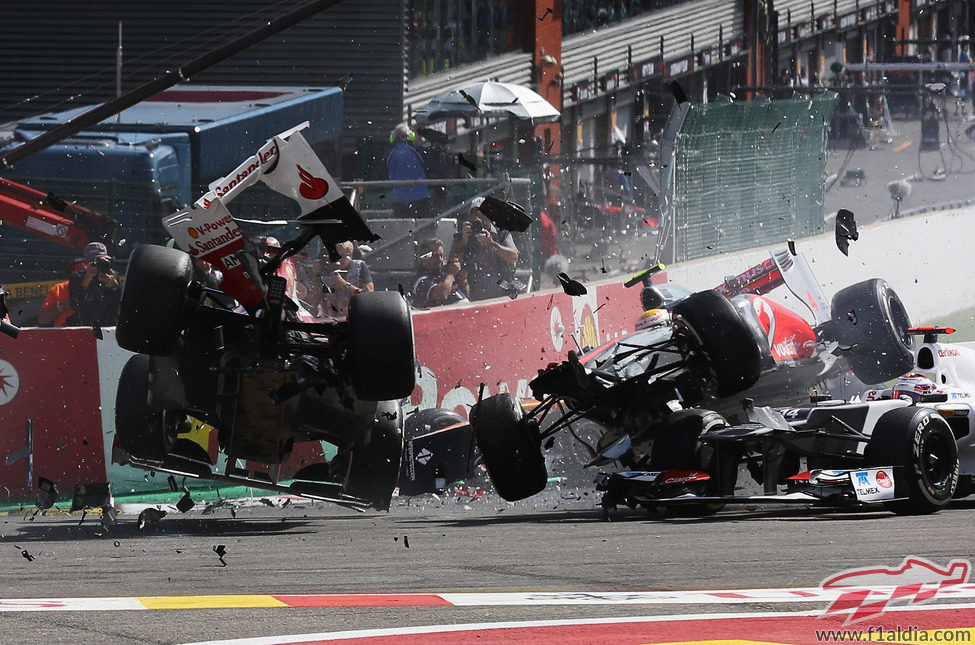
x: 652, y: 318
x: 913, y: 387
x: 272, y: 246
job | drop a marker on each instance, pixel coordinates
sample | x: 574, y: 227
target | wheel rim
x: 936, y: 460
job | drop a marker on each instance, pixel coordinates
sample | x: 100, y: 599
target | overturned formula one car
x: 242, y: 359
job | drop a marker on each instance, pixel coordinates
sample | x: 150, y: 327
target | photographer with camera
x: 94, y: 289
x: 486, y: 254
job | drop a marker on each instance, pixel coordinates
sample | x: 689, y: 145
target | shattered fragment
x: 150, y: 516
x: 221, y: 551
x: 572, y: 287
x: 846, y: 230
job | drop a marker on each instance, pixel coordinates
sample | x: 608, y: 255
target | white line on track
x: 436, y: 629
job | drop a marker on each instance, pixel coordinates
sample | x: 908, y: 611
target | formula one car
x: 242, y: 360
x: 910, y: 448
x: 692, y: 349
x: 862, y: 329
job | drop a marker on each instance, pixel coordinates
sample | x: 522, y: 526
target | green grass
x: 962, y: 321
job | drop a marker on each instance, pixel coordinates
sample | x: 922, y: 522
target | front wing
x: 840, y: 488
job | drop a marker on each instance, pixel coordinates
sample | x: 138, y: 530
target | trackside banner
x: 57, y: 386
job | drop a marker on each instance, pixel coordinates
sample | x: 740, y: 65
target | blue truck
x: 156, y: 157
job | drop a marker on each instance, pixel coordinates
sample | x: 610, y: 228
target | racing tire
x: 677, y: 446
x: 142, y: 431
x: 717, y: 330
x: 919, y: 442
x: 510, y: 447
x: 381, y: 357
x: 374, y: 464
x: 153, y: 306
x: 870, y: 318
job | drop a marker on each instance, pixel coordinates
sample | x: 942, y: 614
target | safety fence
x: 746, y: 173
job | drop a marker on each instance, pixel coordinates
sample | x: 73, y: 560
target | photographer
x: 486, y: 254
x: 94, y: 288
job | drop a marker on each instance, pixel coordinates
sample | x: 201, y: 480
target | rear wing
x: 782, y: 267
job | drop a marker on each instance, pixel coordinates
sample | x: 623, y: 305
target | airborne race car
x: 264, y: 379
x: 647, y: 390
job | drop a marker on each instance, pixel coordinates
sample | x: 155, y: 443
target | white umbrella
x: 489, y: 98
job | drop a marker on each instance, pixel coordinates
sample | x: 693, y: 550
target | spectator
x: 403, y: 163
x: 437, y: 282
x: 486, y: 254
x: 56, y: 310
x: 94, y: 288
x: 342, y: 279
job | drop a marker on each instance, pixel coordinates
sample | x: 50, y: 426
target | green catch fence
x: 749, y: 174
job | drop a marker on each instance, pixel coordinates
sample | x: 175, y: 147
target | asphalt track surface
x: 473, y: 564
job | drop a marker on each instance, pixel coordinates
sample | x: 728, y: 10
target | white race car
x: 910, y: 448
x: 944, y: 379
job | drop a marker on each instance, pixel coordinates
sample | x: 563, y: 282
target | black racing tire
x: 374, y: 464
x: 153, y: 307
x: 717, y: 330
x: 381, y: 357
x: 430, y: 420
x: 510, y: 447
x: 677, y: 446
x: 142, y: 431
x: 921, y: 443
x: 870, y: 318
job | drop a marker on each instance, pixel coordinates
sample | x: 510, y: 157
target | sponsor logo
x: 424, y: 456
x: 589, y: 337
x: 9, y: 382
x: 863, y: 479
x: 786, y: 349
x: 312, y: 188
x: 866, y: 593
x: 884, y: 480
x: 230, y: 261
x: 229, y: 183
x: 948, y: 351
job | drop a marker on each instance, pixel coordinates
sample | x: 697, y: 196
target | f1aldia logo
x: 9, y: 382
x: 312, y: 188
x: 867, y: 592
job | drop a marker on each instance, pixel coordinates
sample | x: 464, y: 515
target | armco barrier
x: 57, y: 386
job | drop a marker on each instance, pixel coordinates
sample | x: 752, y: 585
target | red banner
x: 49, y: 411
x: 503, y: 344
x: 57, y: 417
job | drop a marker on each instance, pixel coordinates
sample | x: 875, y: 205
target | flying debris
x: 221, y: 551
x: 470, y: 99
x: 846, y: 230
x: 572, y: 287
x: 150, y: 516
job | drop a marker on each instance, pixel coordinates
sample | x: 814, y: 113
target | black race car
x: 245, y: 361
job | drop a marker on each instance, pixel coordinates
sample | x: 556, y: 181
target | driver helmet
x: 272, y: 245
x: 913, y: 387
x: 653, y: 318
